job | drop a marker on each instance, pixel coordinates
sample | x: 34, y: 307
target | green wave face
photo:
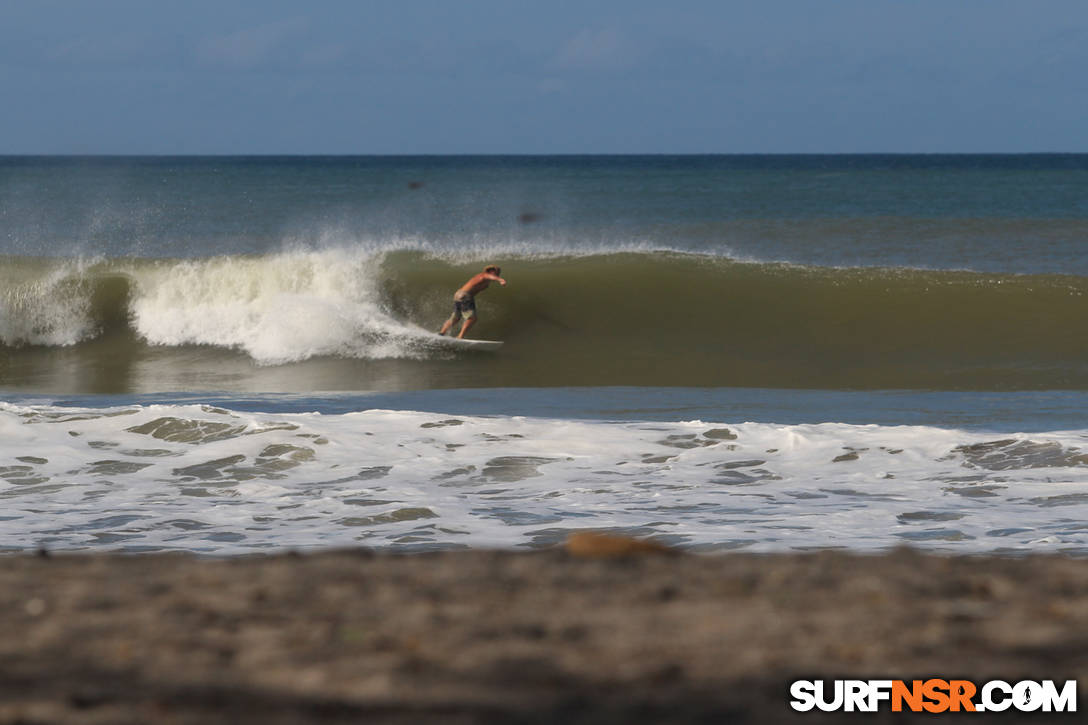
x: 325, y: 321
x: 669, y: 319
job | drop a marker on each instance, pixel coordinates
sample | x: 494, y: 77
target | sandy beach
x: 568, y: 635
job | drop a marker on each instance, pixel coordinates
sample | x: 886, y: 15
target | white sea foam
x: 277, y: 308
x: 205, y: 479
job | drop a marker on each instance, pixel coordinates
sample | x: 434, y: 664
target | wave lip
x: 46, y: 306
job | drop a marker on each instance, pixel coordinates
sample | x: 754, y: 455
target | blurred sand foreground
x: 584, y: 635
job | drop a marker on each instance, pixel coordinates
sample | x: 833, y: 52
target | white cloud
x: 250, y: 47
x: 550, y: 86
x: 324, y: 56
x: 604, y: 49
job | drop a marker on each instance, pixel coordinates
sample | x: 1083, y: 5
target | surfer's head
x: 492, y: 269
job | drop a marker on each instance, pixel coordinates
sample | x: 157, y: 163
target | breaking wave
x: 637, y: 316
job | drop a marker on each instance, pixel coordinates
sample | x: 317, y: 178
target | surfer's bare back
x: 464, y: 302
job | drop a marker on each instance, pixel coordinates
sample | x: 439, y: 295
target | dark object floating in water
x: 528, y: 217
x: 415, y: 185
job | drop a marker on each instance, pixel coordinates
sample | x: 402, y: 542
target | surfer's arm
x: 495, y: 278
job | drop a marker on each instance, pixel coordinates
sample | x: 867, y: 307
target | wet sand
x: 515, y: 637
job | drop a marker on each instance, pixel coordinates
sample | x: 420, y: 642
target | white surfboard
x: 468, y: 344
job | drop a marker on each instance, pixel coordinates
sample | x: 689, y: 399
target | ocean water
x: 763, y: 353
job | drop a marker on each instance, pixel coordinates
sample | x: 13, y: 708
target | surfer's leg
x: 453, y: 319
x: 469, y: 322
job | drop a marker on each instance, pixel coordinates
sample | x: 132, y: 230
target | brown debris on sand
x: 513, y: 637
x: 595, y: 544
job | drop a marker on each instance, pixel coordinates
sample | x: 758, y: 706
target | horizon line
x: 4, y: 154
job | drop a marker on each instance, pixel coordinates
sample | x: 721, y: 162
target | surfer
x: 464, y: 302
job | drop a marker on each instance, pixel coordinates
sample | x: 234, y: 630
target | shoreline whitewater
x: 578, y: 635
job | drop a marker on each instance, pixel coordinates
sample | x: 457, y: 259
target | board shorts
x: 465, y: 305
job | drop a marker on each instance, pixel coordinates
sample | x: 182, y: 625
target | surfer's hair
x: 493, y: 269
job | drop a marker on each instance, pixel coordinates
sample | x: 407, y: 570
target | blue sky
x: 481, y: 76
